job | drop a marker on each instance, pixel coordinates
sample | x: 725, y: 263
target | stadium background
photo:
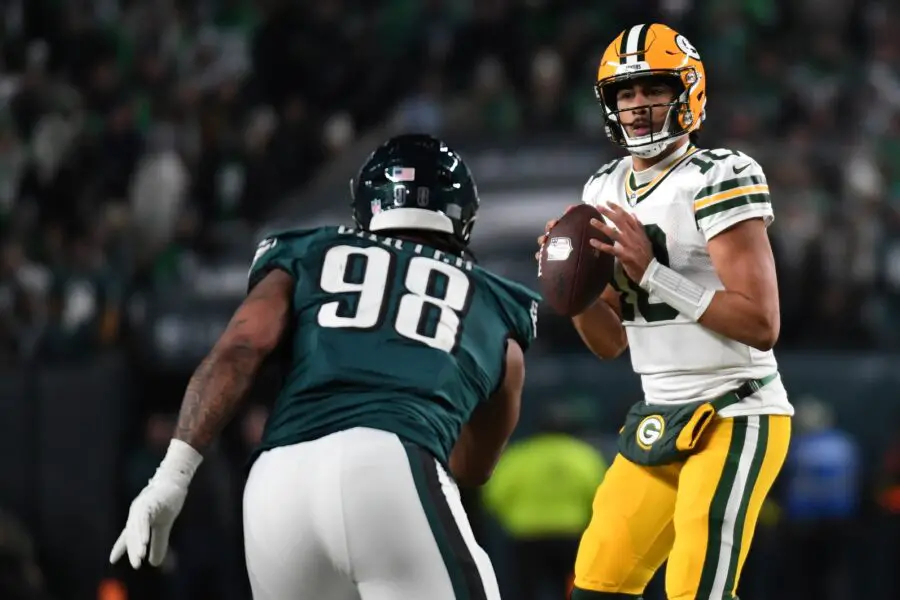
x: 145, y: 145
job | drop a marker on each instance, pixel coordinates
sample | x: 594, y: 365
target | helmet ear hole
x: 444, y: 179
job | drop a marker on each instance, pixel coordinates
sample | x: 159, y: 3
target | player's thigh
x: 720, y: 493
x: 631, y: 529
x: 285, y: 554
x: 408, y: 534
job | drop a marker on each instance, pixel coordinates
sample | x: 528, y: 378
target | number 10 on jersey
x: 429, y: 310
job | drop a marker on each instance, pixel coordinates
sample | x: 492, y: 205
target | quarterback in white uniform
x: 695, y: 297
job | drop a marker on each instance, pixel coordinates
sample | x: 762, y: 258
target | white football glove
x: 155, y: 509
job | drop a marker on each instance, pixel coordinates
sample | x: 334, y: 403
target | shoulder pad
x: 733, y: 187
x: 722, y: 164
x: 299, y: 233
x: 596, y: 180
x: 280, y: 250
x: 519, y: 306
x: 606, y: 169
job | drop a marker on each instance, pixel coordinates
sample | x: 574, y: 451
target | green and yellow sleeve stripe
x: 730, y: 194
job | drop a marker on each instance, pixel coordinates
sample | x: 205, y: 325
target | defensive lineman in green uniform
x: 407, y: 368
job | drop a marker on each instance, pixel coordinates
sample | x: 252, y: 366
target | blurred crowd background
x: 146, y: 144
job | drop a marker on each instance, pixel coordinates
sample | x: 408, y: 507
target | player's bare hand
x: 543, y: 237
x: 630, y: 242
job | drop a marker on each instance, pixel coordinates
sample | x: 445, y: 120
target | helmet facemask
x: 679, y: 117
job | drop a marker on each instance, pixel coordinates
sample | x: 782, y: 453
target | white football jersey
x: 683, y: 202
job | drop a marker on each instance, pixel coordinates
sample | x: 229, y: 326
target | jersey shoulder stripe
x: 730, y: 193
x: 708, y: 193
x: 732, y: 203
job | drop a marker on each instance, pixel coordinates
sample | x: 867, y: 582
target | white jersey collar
x: 647, y: 175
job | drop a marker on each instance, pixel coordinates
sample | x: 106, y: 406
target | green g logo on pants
x: 649, y: 431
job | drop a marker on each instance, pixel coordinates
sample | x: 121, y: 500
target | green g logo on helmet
x: 650, y: 430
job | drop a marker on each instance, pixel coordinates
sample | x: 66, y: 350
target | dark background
x: 146, y: 145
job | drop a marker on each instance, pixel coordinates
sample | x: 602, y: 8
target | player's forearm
x: 601, y: 330
x: 742, y: 319
x: 215, y: 391
x: 749, y: 319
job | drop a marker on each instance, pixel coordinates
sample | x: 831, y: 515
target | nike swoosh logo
x: 741, y: 170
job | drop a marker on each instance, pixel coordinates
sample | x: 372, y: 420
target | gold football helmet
x: 653, y: 51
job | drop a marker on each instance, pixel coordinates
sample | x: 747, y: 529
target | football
x: 572, y: 273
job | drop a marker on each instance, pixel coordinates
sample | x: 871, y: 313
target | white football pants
x: 359, y: 514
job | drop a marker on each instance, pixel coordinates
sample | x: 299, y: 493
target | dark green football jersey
x: 389, y: 334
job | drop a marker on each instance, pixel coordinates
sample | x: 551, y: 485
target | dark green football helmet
x: 415, y: 182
